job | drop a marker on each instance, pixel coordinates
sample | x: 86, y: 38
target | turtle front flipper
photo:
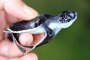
x: 23, y: 49
x: 48, y: 36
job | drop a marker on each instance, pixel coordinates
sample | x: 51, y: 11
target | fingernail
x: 30, y: 11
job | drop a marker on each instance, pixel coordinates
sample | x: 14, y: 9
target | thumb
x: 19, y: 9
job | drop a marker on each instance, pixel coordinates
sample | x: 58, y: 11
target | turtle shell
x: 30, y: 24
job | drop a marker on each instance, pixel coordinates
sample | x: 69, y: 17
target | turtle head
x: 67, y: 18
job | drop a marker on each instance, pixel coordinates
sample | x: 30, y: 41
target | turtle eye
x: 62, y: 16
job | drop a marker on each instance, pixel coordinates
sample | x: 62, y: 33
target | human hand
x: 12, y: 11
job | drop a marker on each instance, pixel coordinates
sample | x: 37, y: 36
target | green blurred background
x: 72, y: 43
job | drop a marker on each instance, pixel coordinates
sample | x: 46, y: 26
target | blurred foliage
x: 72, y: 43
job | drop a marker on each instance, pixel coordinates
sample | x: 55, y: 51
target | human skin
x: 12, y: 11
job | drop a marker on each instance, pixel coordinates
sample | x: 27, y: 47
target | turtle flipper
x: 50, y: 34
x: 23, y: 49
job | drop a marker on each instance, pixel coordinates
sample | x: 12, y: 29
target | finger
x: 11, y: 19
x: 9, y: 49
x: 2, y: 23
x: 4, y: 47
x: 1, y: 4
x: 26, y: 39
x: 37, y: 38
x: 3, y: 58
x: 19, y: 9
x: 30, y: 56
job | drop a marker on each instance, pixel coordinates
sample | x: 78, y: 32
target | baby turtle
x: 47, y: 24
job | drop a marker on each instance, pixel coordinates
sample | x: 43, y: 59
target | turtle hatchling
x: 47, y: 24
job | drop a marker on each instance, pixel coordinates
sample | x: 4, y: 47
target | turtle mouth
x: 67, y: 16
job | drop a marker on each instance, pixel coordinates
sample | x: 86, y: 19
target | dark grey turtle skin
x: 47, y: 24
